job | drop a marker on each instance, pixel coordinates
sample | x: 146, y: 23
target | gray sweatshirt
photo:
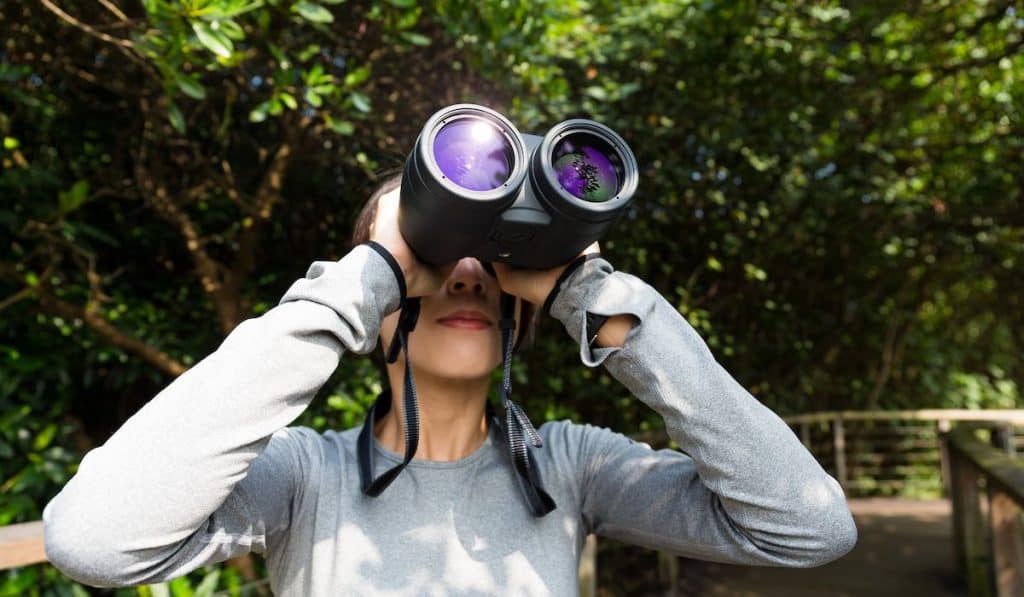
x: 210, y: 470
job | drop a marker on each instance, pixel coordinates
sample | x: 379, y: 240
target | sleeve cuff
x: 360, y: 287
x: 595, y: 287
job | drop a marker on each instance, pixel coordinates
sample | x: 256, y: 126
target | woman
x: 208, y: 470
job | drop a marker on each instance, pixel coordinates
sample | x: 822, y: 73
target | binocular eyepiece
x: 474, y: 186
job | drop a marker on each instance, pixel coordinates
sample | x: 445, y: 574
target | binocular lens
x: 587, y: 167
x: 474, y: 154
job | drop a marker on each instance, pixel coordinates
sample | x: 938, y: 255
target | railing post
x: 973, y: 552
x: 1002, y: 438
x: 839, y: 449
x: 942, y: 431
x: 1007, y: 543
x: 588, y: 568
x: 668, y: 572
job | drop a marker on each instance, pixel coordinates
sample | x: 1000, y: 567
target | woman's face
x: 457, y: 334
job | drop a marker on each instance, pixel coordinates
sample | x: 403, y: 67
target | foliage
x: 831, y: 195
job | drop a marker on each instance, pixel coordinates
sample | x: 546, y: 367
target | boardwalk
x: 905, y: 549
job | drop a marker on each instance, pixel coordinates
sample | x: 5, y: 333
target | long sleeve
x: 745, y: 490
x: 165, y: 494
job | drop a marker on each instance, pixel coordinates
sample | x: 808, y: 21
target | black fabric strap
x: 518, y: 428
x: 410, y: 406
x: 568, y: 271
x: 410, y: 312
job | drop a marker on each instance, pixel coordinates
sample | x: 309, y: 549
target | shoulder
x: 582, y: 446
x: 300, y: 447
x: 566, y: 434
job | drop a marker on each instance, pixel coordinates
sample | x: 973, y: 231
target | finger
x: 506, y: 275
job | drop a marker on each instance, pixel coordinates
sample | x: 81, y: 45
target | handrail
x: 1001, y: 470
x: 989, y: 553
x: 21, y: 544
x: 1004, y: 415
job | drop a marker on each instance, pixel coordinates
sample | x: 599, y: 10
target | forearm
x: 613, y: 332
x: 162, y: 474
x: 766, y: 481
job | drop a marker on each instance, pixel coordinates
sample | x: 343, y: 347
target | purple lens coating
x: 583, y: 168
x: 474, y: 154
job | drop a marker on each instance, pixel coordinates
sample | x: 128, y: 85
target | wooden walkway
x: 904, y: 549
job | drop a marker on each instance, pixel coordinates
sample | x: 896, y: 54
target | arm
x: 746, y: 491
x: 164, y: 495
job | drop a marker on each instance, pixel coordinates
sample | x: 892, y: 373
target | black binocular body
x: 473, y: 186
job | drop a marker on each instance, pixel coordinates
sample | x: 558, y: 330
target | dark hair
x: 527, y: 329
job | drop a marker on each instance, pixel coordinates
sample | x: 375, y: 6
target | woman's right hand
x: 420, y: 279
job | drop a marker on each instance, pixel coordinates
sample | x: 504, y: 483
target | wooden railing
x: 987, y: 484
x: 869, y: 453
x: 878, y: 453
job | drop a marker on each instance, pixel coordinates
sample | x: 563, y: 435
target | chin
x: 459, y: 360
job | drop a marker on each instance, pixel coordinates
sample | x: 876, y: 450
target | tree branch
x: 124, y: 43
x: 114, y: 9
x: 99, y: 324
x: 49, y: 303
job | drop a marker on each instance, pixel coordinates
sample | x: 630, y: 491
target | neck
x: 453, y: 420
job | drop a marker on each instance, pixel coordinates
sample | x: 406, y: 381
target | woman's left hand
x: 533, y: 285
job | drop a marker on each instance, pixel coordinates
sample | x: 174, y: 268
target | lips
x: 466, y: 319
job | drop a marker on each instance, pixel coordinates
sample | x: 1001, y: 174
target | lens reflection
x: 587, y: 167
x: 474, y: 154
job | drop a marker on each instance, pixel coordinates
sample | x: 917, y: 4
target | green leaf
x: 176, y: 118
x: 313, y: 98
x: 215, y: 41
x: 415, y: 38
x: 627, y: 90
x: 342, y: 127
x: 361, y: 102
x: 232, y: 29
x: 282, y: 60
x: 403, y: 3
x: 180, y: 587
x: 73, y: 198
x: 357, y: 76
x: 596, y: 92
x: 259, y: 113
x: 313, y: 12
x: 288, y: 100
x: 10, y: 143
x: 308, y: 52
x: 45, y: 437
x: 237, y: 7
x: 206, y: 587
x: 191, y: 87
x: 315, y: 74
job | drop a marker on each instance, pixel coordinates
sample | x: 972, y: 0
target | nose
x: 467, y: 277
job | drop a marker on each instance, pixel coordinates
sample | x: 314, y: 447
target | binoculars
x: 474, y: 186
